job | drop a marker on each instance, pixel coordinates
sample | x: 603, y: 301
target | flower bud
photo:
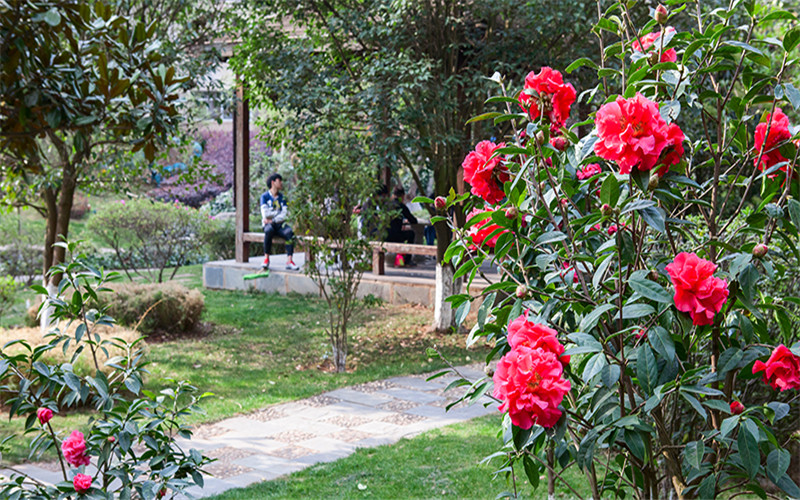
x: 653, y: 276
x: 760, y: 250
x: 653, y: 58
x: 662, y: 14
x: 559, y: 143
x: 440, y: 203
x: 44, y: 415
x: 652, y: 184
x: 488, y: 371
x: 111, y: 439
x: 512, y: 212
x: 736, y: 407
x: 564, y: 202
x: 522, y: 291
x: 540, y: 137
x: 606, y: 210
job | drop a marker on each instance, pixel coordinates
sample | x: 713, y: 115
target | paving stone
x: 350, y: 435
x: 375, y: 441
x: 325, y: 445
x: 418, y: 383
x: 403, y: 419
x: 398, y: 405
x: 362, y: 398
x: 256, y: 476
x: 381, y: 428
x: 410, y: 395
x: 316, y: 458
x: 272, y: 464
x: 291, y: 452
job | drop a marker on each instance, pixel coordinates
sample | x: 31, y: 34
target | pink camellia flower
x: 613, y: 228
x: 560, y: 143
x: 632, y: 133
x: 697, y: 291
x: 44, y: 415
x: 768, y: 146
x: 736, y: 408
x: 522, y: 332
x: 74, y: 449
x: 82, y: 483
x: 588, y: 171
x: 566, y: 268
x: 531, y: 385
x: 485, y: 174
x: 552, y: 98
x: 641, y: 334
x: 481, y: 233
x: 668, y: 55
x: 782, y: 369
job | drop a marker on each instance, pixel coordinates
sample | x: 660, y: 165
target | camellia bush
x: 128, y: 448
x: 646, y: 316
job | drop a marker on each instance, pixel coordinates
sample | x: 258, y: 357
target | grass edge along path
x: 444, y: 462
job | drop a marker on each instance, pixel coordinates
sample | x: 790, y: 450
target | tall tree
x: 412, y: 72
x: 79, y: 88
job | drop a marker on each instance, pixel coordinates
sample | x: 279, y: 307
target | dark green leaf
x: 662, y: 342
x: 609, y: 191
x: 748, y: 452
x: 777, y: 464
x: 650, y: 290
x: 655, y: 217
x: 693, y: 453
x: 647, y: 369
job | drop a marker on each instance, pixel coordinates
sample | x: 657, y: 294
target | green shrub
x: 20, y: 250
x: 162, y: 307
x: 8, y: 290
x: 220, y: 238
x: 148, y: 236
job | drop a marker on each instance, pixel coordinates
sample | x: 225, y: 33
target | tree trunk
x: 59, y: 206
x: 340, y: 358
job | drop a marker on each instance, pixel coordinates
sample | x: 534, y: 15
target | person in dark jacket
x: 273, y: 216
x: 396, y: 233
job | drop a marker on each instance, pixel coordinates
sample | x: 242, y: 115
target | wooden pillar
x: 241, y: 173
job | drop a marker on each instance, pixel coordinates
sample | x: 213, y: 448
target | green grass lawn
x: 260, y: 349
x: 440, y: 463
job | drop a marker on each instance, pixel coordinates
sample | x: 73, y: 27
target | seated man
x: 396, y: 233
x: 273, y: 217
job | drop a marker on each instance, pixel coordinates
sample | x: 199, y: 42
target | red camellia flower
x: 778, y: 124
x: 588, y: 171
x: 82, y: 483
x: 44, y: 415
x: 479, y: 233
x: 485, y: 175
x: 74, y: 449
x: 632, y: 133
x: 736, y: 408
x: 552, y: 97
x: 782, y: 369
x: 530, y: 384
x: 697, y: 291
x: 522, y: 332
x: 668, y: 55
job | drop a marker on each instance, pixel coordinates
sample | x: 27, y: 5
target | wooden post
x: 241, y: 174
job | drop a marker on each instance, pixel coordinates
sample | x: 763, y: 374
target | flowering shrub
x: 129, y: 450
x: 648, y: 260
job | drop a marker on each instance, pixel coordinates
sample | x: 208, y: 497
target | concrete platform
x: 406, y: 285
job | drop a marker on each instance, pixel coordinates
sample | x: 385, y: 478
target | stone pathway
x: 288, y: 437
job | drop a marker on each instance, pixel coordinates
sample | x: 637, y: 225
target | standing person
x: 273, y: 217
x: 396, y: 232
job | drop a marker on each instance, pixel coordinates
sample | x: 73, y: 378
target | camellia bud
x: 559, y: 143
x: 512, y: 212
x: 662, y: 14
x: 653, y: 276
x: 440, y: 203
x: 111, y: 439
x: 540, y: 137
x: 606, y: 210
x: 652, y: 184
x: 564, y: 202
x: 736, y: 407
x: 488, y: 371
x: 522, y: 291
x: 653, y: 58
x: 760, y: 250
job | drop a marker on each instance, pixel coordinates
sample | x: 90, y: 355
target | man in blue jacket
x: 273, y: 217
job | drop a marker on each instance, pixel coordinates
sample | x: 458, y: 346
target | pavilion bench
x: 379, y: 249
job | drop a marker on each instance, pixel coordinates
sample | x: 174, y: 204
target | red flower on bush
x: 82, y: 483
x: 736, y: 408
x: 551, y: 98
x: 632, y: 133
x: 44, y: 415
x: 782, y: 369
x: 588, y: 171
x: 530, y: 384
x: 480, y: 233
x: 74, y: 449
x: 778, y: 124
x: 697, y: 291
x: 522, y: 332
x: 647, y: 40
x: 485, y: 174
